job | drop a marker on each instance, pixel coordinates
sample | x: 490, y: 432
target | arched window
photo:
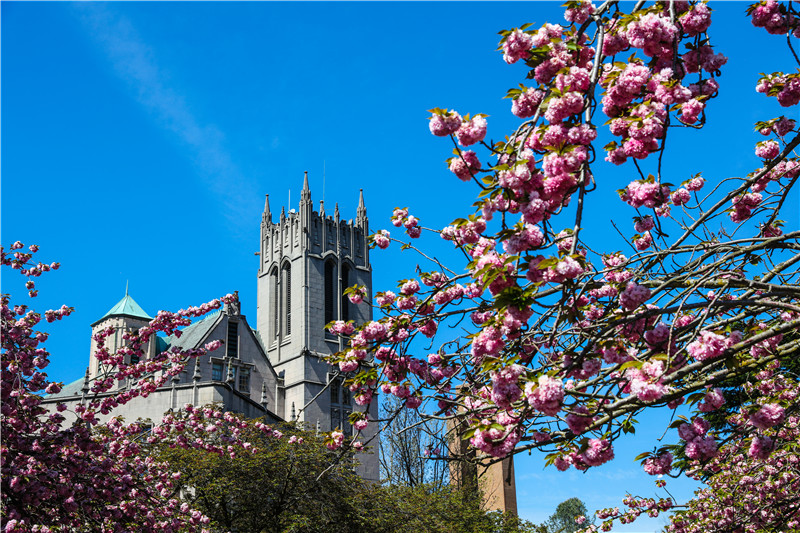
x: 345, y: 298
x: 330, y: 291
x: 273, y: 282
x: 286, y: 302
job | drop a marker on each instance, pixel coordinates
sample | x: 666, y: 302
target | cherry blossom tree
x: 571, y: 340
x: 86, y: 476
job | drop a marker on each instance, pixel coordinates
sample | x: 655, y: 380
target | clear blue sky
x: 139, y: 140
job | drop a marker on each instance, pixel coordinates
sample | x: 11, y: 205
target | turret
x: 361, y: 212
x: 126, y: 316
x: 266, y: 217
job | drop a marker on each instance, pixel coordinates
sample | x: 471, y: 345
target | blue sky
x: 139, y: 140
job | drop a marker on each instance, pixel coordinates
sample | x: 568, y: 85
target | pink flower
x: 712, y: 401
x: 646, y: 223
x: 697, y: 20
x: 445, y: 123
x: 381, y: 239
x: 707, y: 346
x: 767, y: 150
x: 644, y: 242
x: 465, y: 166
x: 695, y: 184
x: 599, y: 451
x: 633, y: 296
x: 761, y: 447
x: 680, y: 197
x: 517, y: 46
x: 472, y: 132
x: 769, y: 415
x: 690, y: 111
x: 386, y: 298
x: 658, y: 464
x: 526, y: 104
x: 336, y: 441
x: 579, y: 14
x: 579, y: 421
x: 546, y: 395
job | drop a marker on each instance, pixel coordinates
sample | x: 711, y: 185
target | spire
x: 267, y: 216
x: 126, y: 287
x: 85, y: 389
x: 361, y: 212
x: 197, y: 375
x: 264, y: 401
x: 336, y: 211
x: 322, y: 208
x: 305, y: 194
x: 283, y: 213
x: 230, y: 378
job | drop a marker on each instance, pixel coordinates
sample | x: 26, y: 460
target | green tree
x: 280, y: 483
x: 563, y: 519
x: 289, y: 481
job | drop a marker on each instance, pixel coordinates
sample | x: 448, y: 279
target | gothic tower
x: 307, y: 260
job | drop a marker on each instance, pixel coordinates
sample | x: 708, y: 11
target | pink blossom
x: 444, y: 124
x: 466, y: 166
x: 546, y: 395
x: 381, y: 239
x: 707, y: 346
x: 526, y: 104
x: 658, y: 464
x: 712, y: 401
x: 761, y: 447
x: 769, y: 415
x: 580, y: 13
x: 633, y: 296
x: 697, y: 20
x: 767, y: 150
x: 690, y: 111
x: 517, y: 46
x: 472, y: 132
x: 646, y: 223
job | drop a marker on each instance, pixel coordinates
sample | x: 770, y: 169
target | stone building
x: 276, y: 370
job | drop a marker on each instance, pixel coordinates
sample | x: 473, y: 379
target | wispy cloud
x: 135, y: 62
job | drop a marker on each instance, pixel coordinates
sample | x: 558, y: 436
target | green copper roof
x: 128, y: 306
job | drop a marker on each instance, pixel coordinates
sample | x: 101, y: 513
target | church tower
x: 307, y: 259
x: 125, y: 317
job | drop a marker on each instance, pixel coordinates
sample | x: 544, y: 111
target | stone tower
x: 125, y: 317
x: 307, y: 259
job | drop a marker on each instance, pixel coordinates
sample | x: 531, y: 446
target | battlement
x: 317, y: 233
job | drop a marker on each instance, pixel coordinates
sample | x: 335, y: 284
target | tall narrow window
x: 244, y: 380
x: 216, y: 372
x: 330, y: 292
x: 340, y: 406
x: 345, y: 298
x: 232, y: 342
x: 274, y: 289
x: 335, y: 391
x: 287, y: 299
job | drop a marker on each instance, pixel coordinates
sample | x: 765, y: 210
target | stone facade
x: 495, y: 480
x: 306, y: 260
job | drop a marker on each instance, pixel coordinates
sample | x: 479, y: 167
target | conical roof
x: 127, y: 307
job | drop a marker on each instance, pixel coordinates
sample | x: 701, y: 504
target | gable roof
x: 193, y: 334
x: 70, y: 390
